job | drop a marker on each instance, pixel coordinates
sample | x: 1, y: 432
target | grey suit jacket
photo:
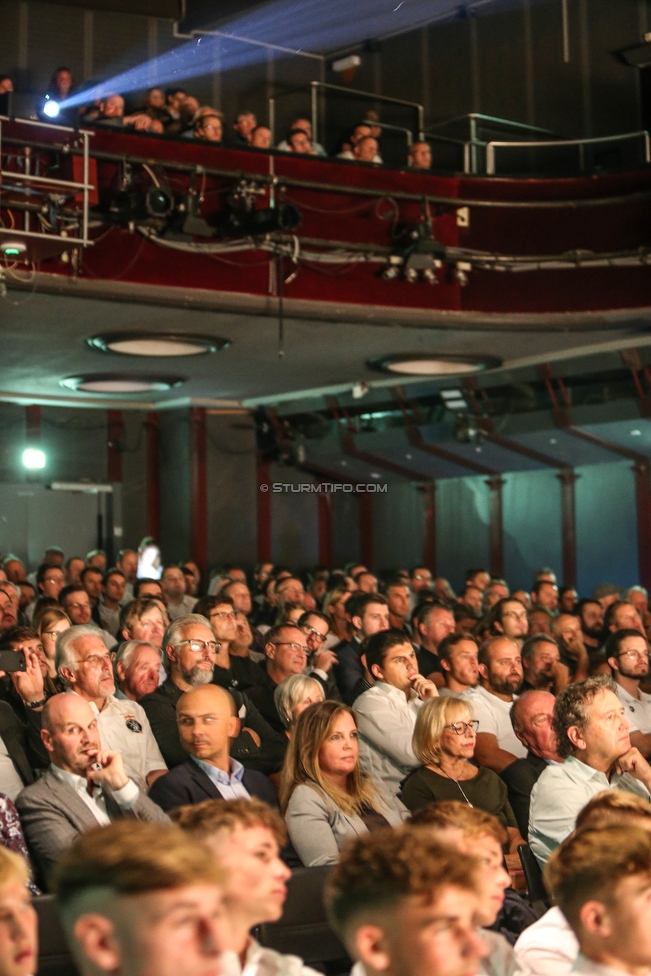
x: 53, y: 815
x: 318, y: 829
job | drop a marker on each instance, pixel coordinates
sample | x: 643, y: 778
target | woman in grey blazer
x: 325, y: 797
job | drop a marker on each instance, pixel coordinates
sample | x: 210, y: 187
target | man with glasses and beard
x: 627, y: 652
x: 190, y: 652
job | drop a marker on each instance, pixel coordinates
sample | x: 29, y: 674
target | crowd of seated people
x: 407, y: 738
x: 175, y: 113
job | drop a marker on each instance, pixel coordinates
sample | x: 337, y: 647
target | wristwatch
x: 35, y: 704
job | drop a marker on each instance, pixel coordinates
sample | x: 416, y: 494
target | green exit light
x: 12, y: 252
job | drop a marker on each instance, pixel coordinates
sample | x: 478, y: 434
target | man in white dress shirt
x: 592, y: 736
x: 87, y: 669
x: 628, y: 656
x: 500, y: 677
x: 386, y: 713
x: 601, y: 881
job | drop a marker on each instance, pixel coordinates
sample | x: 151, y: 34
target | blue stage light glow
x: 293, y: 26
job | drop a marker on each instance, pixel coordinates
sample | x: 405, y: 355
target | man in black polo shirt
x: 432, y: 624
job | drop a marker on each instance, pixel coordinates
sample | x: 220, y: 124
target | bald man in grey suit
x: 84, y: 787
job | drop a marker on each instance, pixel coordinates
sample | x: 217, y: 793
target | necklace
x: 463, y: 793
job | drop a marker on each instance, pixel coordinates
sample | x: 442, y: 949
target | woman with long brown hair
x: 325, y: 796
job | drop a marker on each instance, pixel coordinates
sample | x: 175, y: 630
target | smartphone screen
x: 149, y: 563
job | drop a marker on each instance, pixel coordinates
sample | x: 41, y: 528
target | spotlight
x: 257, y: 223
x: 460, y: 273
x: 13, y: 249
x: 346, y: 64
x: 429, y: 276
x: 411, y: 275
x: 126, y: 205
x: 33, y: 458
x: 51, y: 108
x: 159, y: 201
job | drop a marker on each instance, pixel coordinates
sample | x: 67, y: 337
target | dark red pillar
x: 366, y: 529
x: 33, y: 422
x: 264, y: 512
x: 152, y: 441
x: 568, y: 524
x: 198, y: 489
x: 496, y: 531
x: 643, y: 506
x: 324, y: 502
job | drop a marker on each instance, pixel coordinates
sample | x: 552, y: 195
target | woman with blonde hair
x: 293, y: 695
x: 334, y: 606
x: 18, y: 921
x: 51, y: 622
x: 325, y: 796
x: 444, y: 741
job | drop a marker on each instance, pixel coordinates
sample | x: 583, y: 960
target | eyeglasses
x: 224, y: 615
x: 294, y: 647
x: 315, y: 634
x: 638, y: 655
x: 460, y: 728
x: 79, y: 606
x: 199, y: 646
x: 95, y: 660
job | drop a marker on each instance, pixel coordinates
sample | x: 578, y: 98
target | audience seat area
x: 533, y: 876
x: 54, y: 956
x: 304, y: 930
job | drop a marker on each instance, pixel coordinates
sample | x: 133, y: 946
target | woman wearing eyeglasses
x: 444, y: 743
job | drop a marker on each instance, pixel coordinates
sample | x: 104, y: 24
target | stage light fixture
x: 157, y: 344
x: 33, y: 458
x: 257, y: 223
x: 434, y: 364
x: 159, y: 202
x: 51, y: 108
x: 113, y: 384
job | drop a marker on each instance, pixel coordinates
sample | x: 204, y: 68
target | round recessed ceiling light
x: 157, y: 344
x: 113, y: 384
x: 424, y: 364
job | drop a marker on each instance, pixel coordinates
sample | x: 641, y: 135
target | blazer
x: 53, y: 815
x: 160, y: 708
x: 318, y: 829
x: 520, y: 777
x: 188, y: 783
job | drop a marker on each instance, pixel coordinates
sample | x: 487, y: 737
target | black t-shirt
x: 428, y: 663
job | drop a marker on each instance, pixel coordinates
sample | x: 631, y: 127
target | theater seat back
x: 54, y: 956
x: 304, y: 929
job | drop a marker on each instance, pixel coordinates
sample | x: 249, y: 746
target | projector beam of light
x: 283, y: 28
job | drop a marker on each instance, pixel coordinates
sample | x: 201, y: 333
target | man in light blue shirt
x: 592, y: 733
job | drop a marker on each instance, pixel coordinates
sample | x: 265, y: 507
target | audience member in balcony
x: 261, y: 137
x: 326, y: 797
x: 420, y: 156
x: 60, y: 87
x: 173, y: 98
x: 209, y: 128
x: 293, y: 695
x: 6, y: 89
x: 298, y: 142
x: 305, y: 126
x: 366, y: 150
x: 244, y: 124
x: 188, y: 109
x: 111, y: 113
x: 360, y: 132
